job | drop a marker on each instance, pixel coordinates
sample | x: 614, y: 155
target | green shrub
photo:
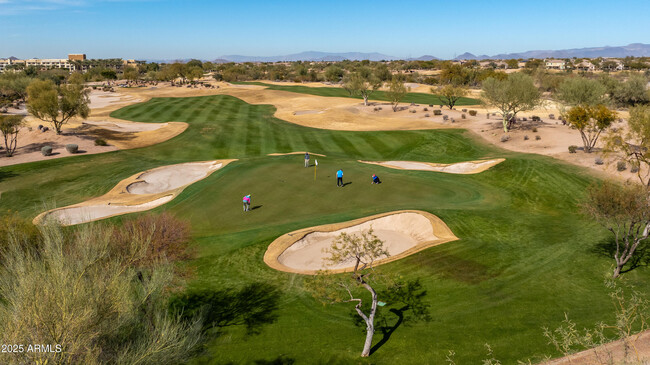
x: 72, y: 148
x: 621, y: 166
x: 463, y: 116
x: 46, y: 150
x: 437, y: 112
x: 100, y: 142
x: 538, y: 137
x: 573, y: 148
x: 534, y: 129
x: 472, y: 113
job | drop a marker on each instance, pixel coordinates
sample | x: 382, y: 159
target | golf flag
x: 315, y: 168
x: 316, y: 162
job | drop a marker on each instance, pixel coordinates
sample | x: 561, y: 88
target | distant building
x: 77, y: 57
x: 585, y: 66
x: 555, y: 64
x: 133, y: 63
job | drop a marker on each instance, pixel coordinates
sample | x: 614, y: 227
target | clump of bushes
x: 621, y: 166
x: 437, y: 112
x: 538, y: 137
x: 100, y: 142
x: 573, y: 148
x: 472, y: 113
x: 463, y: 116
x: 72, y: 148
x: 505, y: 138
x: 598, y: 161
x: 536, y: 118
x: 46, y: 150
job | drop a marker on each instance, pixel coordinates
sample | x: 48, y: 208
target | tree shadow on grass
x: 252, y: 306
x: 404, y: 306
x: 607, y: 248
x: 6, y: 175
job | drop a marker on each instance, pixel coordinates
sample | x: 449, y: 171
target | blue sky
x: 165, y: 29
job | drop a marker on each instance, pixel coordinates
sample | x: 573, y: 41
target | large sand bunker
x: 127, y: 127
x: 403, y: 232
x: 140, y: 192
x: 469, y: 167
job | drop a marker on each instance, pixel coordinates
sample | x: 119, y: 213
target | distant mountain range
x: 311, y: 56
x: 634, y: 49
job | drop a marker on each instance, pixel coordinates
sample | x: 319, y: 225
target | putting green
x: 525, y: 256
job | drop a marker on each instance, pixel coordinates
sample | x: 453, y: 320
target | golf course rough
x: 403, y: 232
x: 142, y: 191
x: 468, y: 167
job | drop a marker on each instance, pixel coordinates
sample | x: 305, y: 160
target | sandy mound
x: 295, y: 153
x: 469, y: 167
x: 403, y: 233
x: 127, y: 127
x: 88, y: 213
x: 101, y: 99
x: 142, y: 191
x: 168, y: 178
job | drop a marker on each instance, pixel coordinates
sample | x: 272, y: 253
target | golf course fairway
x: 524, y: 257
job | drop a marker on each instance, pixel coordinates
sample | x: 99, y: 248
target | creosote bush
x: 526, y: 137
x: 538, y: 137
x: 573, y: 148
x: 473, y: 113
x: 437, y: 112
x: 100, y: 142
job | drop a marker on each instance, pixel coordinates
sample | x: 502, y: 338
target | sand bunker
x: 469, y: 167
x: 295, y: 153
x: 168, y: 178
x: 88, y: 213
x: 403, y: 232
x: 140, y: 192
x: 126, y: 127
x: 303, y: 112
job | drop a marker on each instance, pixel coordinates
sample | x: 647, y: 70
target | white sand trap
x: 469, y: 167
x: 137, y: 193
x: 403, y: 233
x: 303, y: 112
x: 88, y: 213
x: 127, y: 127
x: 295, y: 153
x: 167, y: 178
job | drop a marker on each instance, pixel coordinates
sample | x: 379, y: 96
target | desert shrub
x: 634, y: 168
x: 375, y: 109
x: 621, y: 166
x: 445, y: 117
x: 45, y: 129
x: 437, y: 112
x: 505, y: 138
x: 464, y: 110
x: 426, y: 109
x: 526, y: 137
x: 40, y: 126
x: 427, y: 115
x: 598, y: 161
x: 473, y: 113
x: 72, y: 148
x: 168, y: 237
x: 573, y: 148
x: 453, y: 120
x: 534, y: 130
x: 535, y: 118
x: 538, y: 137
x: 412, y: 111
x: 463, y: 116
x: 430, y: 105
x: 551, y: 116
x: 100, y: 142
x: 525, y: 119
x: 46, y: 150
x: 104, y: 310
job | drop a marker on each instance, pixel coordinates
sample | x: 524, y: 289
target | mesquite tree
x: 362, y: 82
x: 515, y: 94
x: 634, y: 144
x: 9, y: 127
x: 396, y: 92
x: 57, y: 104
x: 450, y: 94
x: 624, y: 211
x: 590, y: 122
x: 361, y: 251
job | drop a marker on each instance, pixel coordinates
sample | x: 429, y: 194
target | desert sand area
x: 403, y: 232
x: 469, y: 167
x: 140, y: 192
x: 612, y: 353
